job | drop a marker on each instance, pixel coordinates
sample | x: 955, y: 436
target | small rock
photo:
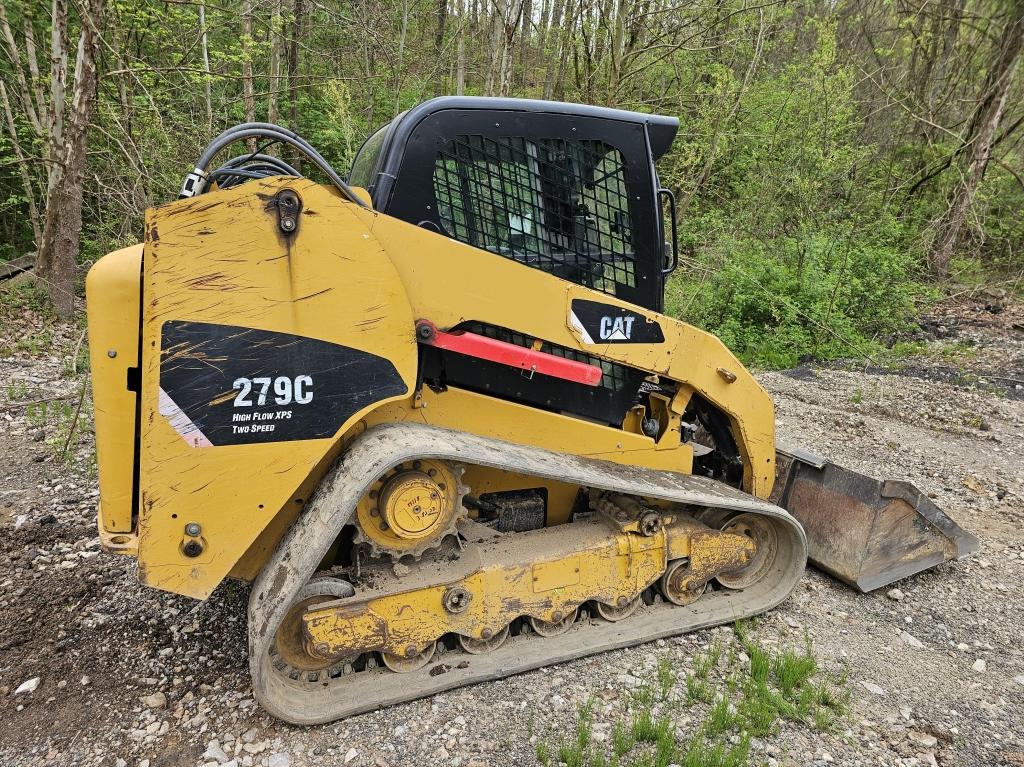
x: 895, y: 594
x: 215, y: 752
x: 119, y: 762
x: 350, y: 755
x: 923, y: 739
x: 249, y: 735
x: 1019, y: 680
x: 155, y: 701
x: 911, y: 640
x: 29, y: 685
x: 979, y: 665
x: 280, y: 759
x: 873, y: 688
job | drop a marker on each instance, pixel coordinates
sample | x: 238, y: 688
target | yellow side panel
x: 220, y: 260
x: 112, y: 303
x: 449, y: 282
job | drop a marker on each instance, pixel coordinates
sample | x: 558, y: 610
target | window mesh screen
x: 554, y: 204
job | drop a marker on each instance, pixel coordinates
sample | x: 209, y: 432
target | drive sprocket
x: 411, y: 509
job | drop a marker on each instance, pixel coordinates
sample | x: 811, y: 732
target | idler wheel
x: 762, y: 532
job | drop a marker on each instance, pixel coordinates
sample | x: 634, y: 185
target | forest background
x: 839, y: 166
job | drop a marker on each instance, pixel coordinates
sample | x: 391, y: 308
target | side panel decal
x: 230, y: 385
x: 599, y: 323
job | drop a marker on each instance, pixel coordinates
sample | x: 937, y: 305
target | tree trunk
x: 460, y: 68
x: 556, y: 62
x: 400, y: 68
x: 980, y: 136
x: 442, y: 21
x: 275, y: 63
x: 293, y: 81
x: 248, y: 99
x: 206, y: 67
x: 58, y: 250
x: 58, y: 87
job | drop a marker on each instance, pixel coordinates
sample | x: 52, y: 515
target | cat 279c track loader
x: 435, y: 415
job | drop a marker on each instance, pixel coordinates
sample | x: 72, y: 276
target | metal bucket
x: 866, y: 532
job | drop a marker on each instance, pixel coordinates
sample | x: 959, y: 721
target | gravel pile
x: 97, y: 670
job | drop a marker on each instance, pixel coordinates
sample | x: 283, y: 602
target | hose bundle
x: 256, y: 164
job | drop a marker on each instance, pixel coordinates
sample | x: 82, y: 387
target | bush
x: 776, y: 302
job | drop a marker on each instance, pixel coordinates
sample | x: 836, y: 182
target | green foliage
x: 814, y: 162
x: 739, y: 698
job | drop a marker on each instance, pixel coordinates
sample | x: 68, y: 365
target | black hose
x: 197, y: 181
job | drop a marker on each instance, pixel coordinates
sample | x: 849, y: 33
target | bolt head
x: 193, y: 529
x: 556, y: 616
x: 622, y: 601
x: 192, y: 548
x: 410, y: 651
x: 111, y: 353
x: 486, y: 634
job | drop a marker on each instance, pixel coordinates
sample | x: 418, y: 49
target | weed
x: 704, y: 662
x: 76, y: 363
x: 792, y: 669
x: 858, y: 396
x: 735, y: 703
x: 643, y: 695
x: 543, y: 753
x: 721, y: 719
x: 666, y: 678
x: 622, y: 740
x: 760, y: 664
x: 17, y: 390
x: 696, y: 690
x: 650, y: 729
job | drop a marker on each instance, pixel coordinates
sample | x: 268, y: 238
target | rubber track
x: 383, y: 447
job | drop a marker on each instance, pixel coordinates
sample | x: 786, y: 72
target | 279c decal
x: 231, y: 385
x: 285, y: 391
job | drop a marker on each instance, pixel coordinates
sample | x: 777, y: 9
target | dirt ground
x: 130, y: 676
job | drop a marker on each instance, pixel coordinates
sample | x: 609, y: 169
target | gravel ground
x: 123, y: 675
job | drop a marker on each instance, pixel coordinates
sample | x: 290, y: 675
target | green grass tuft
x: 734, y: 701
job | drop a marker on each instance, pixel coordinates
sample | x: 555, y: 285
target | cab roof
x: 662, y: 130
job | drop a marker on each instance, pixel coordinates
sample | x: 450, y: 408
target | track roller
x: 553, y: 628
x: 623, y: 610
x: 483, y: 645
x: 413, y: 662
x: 676, y: 585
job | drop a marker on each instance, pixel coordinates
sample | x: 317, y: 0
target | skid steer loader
x: 435, y: 415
